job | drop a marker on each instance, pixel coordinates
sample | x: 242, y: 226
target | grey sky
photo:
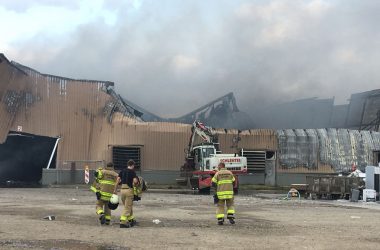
x: 171, y: 57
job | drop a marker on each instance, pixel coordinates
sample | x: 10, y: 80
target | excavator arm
x: 204, y: 132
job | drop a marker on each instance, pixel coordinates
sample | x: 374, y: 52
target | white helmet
x: 114, y: 199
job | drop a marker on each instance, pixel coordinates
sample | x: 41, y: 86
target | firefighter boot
x: 102, y: 219
x: 108, y: 219
x: 231, y: 218
x: 220, y: 221
x: 133, y: 223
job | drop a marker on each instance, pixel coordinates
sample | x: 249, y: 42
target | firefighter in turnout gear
x: 223, y: 182
x: 129, y: 193
x: 139, y: 188
x: 104, y: 186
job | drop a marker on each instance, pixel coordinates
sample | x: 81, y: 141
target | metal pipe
x: 52, y: 153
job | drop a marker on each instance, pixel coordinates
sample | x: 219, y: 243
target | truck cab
x: 202, y: 160
x: 207, y: 159
x: 201, y: 154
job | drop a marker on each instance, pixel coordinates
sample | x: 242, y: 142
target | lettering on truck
x: 230, y: 160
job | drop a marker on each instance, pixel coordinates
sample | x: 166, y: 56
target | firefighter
x: 223, y: 182
x: 103, y: 186
x: 129, y: 193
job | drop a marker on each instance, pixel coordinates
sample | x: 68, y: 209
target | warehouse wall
x: 65, y: 176
x: 76, y: 111
x: 162, y: 144
x: 12, y: 84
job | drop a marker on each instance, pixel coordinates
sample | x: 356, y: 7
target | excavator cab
x: 201, y: 153
x: 202, y: 159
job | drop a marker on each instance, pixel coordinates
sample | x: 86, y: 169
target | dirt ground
x: 187, y: 222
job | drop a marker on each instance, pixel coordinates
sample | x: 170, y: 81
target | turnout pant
x: 127, y: 200
x: 229, y: 203
x: 102, y: 208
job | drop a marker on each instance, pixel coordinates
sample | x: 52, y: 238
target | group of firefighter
x: 107, y: 182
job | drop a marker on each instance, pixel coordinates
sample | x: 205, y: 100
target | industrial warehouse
x: 66, y: 125
x: 144, y: 124
x: 54, y: 128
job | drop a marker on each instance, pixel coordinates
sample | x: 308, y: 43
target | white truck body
x: 207, y: 159
x: 232, y: 162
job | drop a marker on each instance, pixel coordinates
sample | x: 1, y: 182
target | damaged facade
x: 362, y: 112
x: 221, y: 112
x: 93, y: 125
x: 339, y: 149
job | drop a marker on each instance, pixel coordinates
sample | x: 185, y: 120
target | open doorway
x: 23, y: 156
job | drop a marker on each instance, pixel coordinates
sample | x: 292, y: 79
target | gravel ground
x: 186, y: 222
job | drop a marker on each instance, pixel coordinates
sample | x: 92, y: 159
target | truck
x: 202, y: 159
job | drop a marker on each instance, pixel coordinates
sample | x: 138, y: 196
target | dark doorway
x: 23, y: 156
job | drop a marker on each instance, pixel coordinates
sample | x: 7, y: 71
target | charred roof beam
x: 373, y: 125
x: 228, y: 101
x: 120, y: 106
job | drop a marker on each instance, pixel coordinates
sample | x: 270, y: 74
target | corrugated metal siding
x: 162, y: 144
x: 74, y: 110
x: 256, y: 139
x: 66, y: 108
x: 332, y: 149
x: 372, y: 106
x: 321, y: 168
x: 12, y: 82
x: 264, y: 139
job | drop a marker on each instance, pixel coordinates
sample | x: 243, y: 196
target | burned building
x: 221, y: 112
x: 303, y: 113
x: 362, y: 112
x: 79, y: 123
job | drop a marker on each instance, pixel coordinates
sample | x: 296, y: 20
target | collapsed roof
x: 117, y: 104
x: 91, y: 119
x: 22, y: 87
x: 220, y: 113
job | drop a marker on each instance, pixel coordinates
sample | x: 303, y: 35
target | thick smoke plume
x: 171, y: 57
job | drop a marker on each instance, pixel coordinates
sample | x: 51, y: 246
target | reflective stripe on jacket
x: 224, y: 180
x: 105, y: 183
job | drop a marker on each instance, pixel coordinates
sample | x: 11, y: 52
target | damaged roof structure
x: 221, y: 112
x: 87, y: 115
x: 94, y: 124
x: 362, y: 112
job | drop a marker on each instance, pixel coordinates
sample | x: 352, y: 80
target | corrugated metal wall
x: 162, y: 144
x: 75, y: 111
x: 63, y: 108
x: 326, y: 150
x: 254, y: 139
x: 12, y: 82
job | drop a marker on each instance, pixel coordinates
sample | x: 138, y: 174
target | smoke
x: 170, y: 57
